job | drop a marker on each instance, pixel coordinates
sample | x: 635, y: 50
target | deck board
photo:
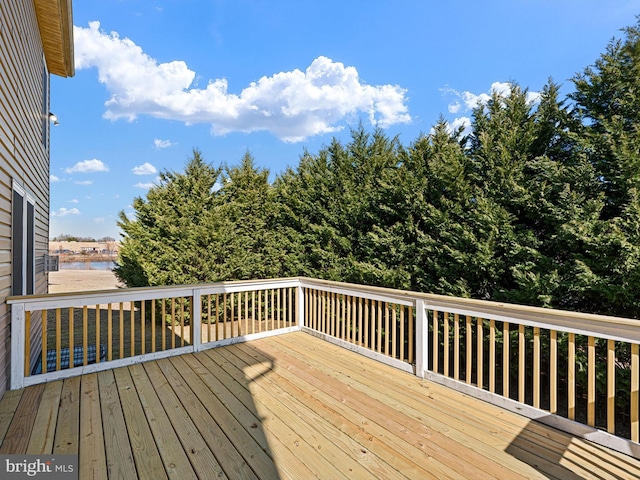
x: 190, y: 393
x: 174, y: 459
x: 143, y: 446
x: 335, y: 445
x: 93, y: 462
x: 386, y: 463
x: 287, y: 407
x: 8, y: 406
x: 201, y: 457
x: 423, y: 458
x: 460, y: 439
x: 253, y: 451
x: 120, y: 463
x: 322, y: 458
x: 44, y: 427
x: 279, y: 441
x: 19, y: 432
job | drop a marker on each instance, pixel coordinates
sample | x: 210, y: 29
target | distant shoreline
x: 89, y: 257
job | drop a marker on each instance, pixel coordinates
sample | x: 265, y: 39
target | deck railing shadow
x: 564, y: 455
x: 215, y: 389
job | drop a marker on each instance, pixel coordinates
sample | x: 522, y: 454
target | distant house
x: 36, y: 40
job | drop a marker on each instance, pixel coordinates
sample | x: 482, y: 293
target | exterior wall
x: 24, y: 156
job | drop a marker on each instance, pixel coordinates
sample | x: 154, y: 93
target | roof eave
x: 55, y: 22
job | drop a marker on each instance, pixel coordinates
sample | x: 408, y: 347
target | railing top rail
x: 617, y: 328
x: 61, y: 300
x: 376, y: 293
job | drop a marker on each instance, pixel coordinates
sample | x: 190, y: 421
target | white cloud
x: 158, y: 144
x: 63, y: 212
x: 88, y: 166
x: 84, y: 182
x: 533, y: 97
x: 144, y: 169
x: 53, y: 178
x: 464, y: 122
x: 471, y: 100
x: 146, y: 186
x: 454, y: 107
x: 73, y: 200
x: 292, y: 105
x: 98, y: 220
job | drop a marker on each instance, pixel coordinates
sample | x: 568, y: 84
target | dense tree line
x: 538, y: 204
x: 65, y: 237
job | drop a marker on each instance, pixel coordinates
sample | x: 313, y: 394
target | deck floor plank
x: 412, y: 440
x: 197, y: 450
x: 8, y: 406
x: 238, y: 422
x: 355, y: 431
x: 479, y: 420
x: 120, y: 463
x: 280, y: 435
x: 469, y: 423
x: 190, y: 391
x: 145, y: 454
x: 17, y: 438
x: 353, y: 456
x: 541, y: 446
x: 252, y: 454
x: 175, y: 460
x: 287, y: 407
x: 326, y: 447
x: 226, y: 389
x: 44, y: 427
x: 92, y: 459
x: 68, y: 427
x: 447, y: 431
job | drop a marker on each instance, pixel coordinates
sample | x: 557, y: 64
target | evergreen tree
x: 169, y: 242
x: 246, y: 229
x: 607, y: 97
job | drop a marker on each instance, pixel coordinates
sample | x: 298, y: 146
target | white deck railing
x: 577, y: 372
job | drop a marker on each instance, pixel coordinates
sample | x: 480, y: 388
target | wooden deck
x: 289, y: 407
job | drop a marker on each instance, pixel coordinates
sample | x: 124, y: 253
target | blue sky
x: 155, y: 79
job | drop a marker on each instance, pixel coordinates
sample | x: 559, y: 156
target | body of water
x: 87, y: 265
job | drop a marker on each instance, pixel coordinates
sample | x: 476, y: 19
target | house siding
x: 24, y: 157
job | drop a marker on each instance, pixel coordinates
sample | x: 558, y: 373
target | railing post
x: 196, y: 321
x: 300, y: 306
x: 17, y: 345
x: 422, y: 339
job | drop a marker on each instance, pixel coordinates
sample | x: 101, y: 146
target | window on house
x: 23, y: 242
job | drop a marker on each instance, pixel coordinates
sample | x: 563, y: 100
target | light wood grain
x: 93, y: 461
x: 120, y: 463
x: 202, y: 459
x: 143, y: 447
x: 17, y: 437
x: 174, y: 458
x: 44, y: 427
x: 290, y: 406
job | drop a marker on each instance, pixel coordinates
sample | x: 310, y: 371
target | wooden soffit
x: 55, y: 21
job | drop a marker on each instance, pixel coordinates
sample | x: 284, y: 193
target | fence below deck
x: 577, y: 372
